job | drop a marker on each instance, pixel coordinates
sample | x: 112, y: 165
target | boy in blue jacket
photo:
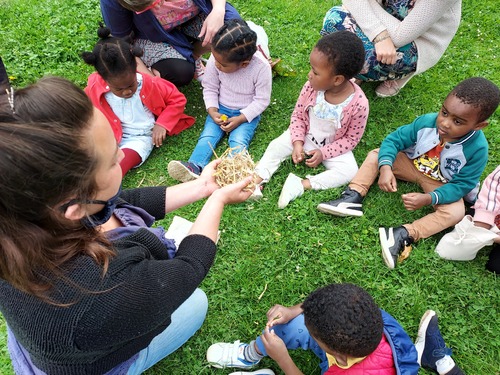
x: 445, y: 153
x: 343, y: 326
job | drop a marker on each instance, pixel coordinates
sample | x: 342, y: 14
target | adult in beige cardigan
x: 401, y: 37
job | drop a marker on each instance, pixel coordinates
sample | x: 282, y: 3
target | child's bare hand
x: 414, y: 201
x: 315, y: 157
x: 275, y: 347
x: 218, y: 118
x: 386, y: 180
x: 279, y: 314
x: 232, y: 123
x: 159, y: 135
x: 298, y: 152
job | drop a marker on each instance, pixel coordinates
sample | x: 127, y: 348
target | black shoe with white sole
x: 349, y: 204
x: 393, y: 242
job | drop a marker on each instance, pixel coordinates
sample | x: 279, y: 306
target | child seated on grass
x: 445, y: 153
x: 327, y: 122
x: 474, y: 233
x: 141, y: 109
x: 344, y: 327
x: 236, y: 89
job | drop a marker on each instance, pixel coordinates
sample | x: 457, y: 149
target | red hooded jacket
x: 159, y: 95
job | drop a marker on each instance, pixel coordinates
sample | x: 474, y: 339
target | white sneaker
x: 256, y: 194
x: 263, y: 371
x: 226, y: 354
x: 292, y: 189
x: 464, y: 241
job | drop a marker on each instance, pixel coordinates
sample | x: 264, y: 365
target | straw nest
x: 235, y: 165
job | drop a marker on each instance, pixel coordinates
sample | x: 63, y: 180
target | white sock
x: 444, y: 365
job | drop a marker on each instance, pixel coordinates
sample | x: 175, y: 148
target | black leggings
x: 493, y: 263
x: 179, y: 72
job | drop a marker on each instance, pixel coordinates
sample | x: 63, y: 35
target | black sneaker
x: 349, y: 204
x: 394, y: 241
x: 183, y: 171
x: 430, y: 343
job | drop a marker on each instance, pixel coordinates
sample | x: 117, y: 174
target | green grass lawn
x: 269, y: 256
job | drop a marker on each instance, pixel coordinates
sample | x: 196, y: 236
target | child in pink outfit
x: 474, y: 233
x: 327, y: 123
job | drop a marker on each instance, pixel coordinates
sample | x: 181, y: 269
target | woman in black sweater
x: 86, y: 285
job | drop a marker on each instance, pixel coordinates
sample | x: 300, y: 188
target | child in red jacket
x: 141, y: 109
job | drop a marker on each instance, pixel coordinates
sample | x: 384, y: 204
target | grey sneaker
x: 183, y: 171
x: 349, y: 204
x: 226, y: 354
x: 394, y: 241
x: 262, y: 371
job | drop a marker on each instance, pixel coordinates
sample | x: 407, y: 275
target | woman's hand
x: 213, y: 22
x: 315, y: 158
x: 159, y: 135
x: 207, y: 175
x: 234, y: 193
x: 386, y: 52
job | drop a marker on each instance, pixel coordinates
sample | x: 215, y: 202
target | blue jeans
x: 186, y: 320
x: 295, y: 335
x: 212, y: 134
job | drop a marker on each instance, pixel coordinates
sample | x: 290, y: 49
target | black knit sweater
x: 114, y: 316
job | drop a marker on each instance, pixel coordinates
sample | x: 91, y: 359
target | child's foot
x: 349, y: 204
x: 183, y: 171
x: 263, y: 371
x: 432, y: 351
x: 292, y: 189
x: 225, y: 354
x: 394, y: 241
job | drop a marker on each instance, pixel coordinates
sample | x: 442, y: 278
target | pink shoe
x: 391, y: 87
x: 199, y: 70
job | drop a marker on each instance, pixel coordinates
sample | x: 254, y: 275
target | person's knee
x: 179, y: 72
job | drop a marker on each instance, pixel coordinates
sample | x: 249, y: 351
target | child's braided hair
x: 236, y: 41
x: 112, y: 56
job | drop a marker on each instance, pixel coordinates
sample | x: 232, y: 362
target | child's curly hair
x: 479, y: 93
x: 345, y: 52
x: 236, y: 40
x: 345, y: 318
x: 112, y: 57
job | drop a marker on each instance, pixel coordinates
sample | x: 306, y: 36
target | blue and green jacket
x: 461, y: 162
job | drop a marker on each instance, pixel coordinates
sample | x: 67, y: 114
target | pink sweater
x: 248, y: 89
x: 488, y: 201
x: 353, y: 123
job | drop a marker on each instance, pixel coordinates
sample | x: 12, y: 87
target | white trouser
x: 340, y: 169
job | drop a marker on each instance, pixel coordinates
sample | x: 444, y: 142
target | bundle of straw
x: 236, y: 164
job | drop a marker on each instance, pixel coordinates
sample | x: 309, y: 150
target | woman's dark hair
x: 345, y: 52
x: 236, y: 41
x: 112, y: 57
x: 345, y: 318
x: 46, y: 159
x: 479, y: 93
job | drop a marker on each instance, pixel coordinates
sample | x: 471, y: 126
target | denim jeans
x: 295, y: 335
x: 186, y: 320
x: 212, y: 134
